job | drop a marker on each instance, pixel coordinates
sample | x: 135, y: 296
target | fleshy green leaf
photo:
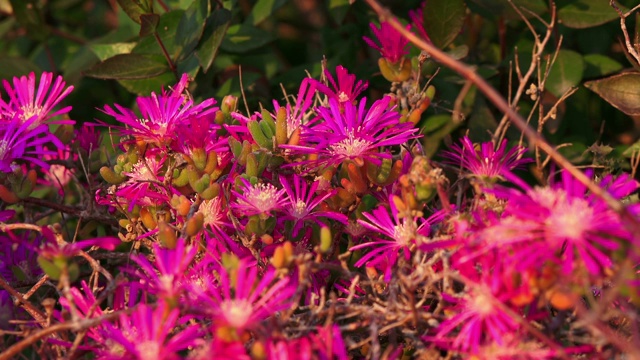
x: 242, y: 38
x: 443, y: 20
x: 105, y: 51
x: 566, y: 72
x: 129, y: 67
x: 597, y: 65
x: 190, y: 28
x: 621, y: 91
x: 263, y: 9
x: 581, y: 14
x: 212, y: 36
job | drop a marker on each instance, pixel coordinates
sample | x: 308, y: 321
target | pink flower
x: 143, y: 184
x: 148, y: 334
x: 485, y: 162
x: 345, y: 90
x: 26, y: 104
x: 161, y: 116
x: 346, y: 132
x: 302, y: 203
x: 242, y: 298
x: 166, y: 276
x: 392, y: 235
x: 393, y: 46
x: 259, y: 199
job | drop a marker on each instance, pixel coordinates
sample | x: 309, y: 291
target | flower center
x: 350, y: 147
x: 405, y: 232
x: 299, y: 210
x: 236, y: 312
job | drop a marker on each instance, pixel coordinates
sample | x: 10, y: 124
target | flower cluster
x: 319, y: 229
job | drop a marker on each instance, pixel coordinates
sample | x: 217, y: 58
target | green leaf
x: 581, y: 14
x: 146, y: 86
x: 135, y: 8
x: 622, y: 91
x: 338, y: 10
x: 242, y: 38
x: 497, y: 8
x: 565, y: 73
x: 148, y: 24
x: 129, y: 67
x: 167, y: 30
x: 443, y: 20
x: 190, y: 28
x: 435, y: 122
x: 214, y: 31
x: 263, y: 9
x: 16, y: 66
x: 597, y: 65
x: 105, y: 51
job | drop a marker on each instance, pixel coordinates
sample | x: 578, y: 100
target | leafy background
x: 110, y: 55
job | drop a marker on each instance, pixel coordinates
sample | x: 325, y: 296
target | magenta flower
x: 24, y: 141
x: 486, y: 163
x: 161, y: 117
x: 166, y: 276
x: 297, y: 115
x: 243, y: 298
x: 200, y: 133
x: 215, y: 214
x: 302, y: 202
x: 477, y: 316
x: 346, y: 89
x: 571, y: 226
x: 393, y: 46
x: 346, y: 132
x: 25, y: 104
x: 259, y: 199
x: 148, y: 334
x: 393, y: 235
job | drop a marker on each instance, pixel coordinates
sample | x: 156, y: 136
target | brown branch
x: 494, y: 96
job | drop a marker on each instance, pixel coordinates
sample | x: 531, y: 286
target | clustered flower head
x: 315, y: 229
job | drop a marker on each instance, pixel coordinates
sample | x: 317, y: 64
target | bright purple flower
x: 166, y: 276
x: 25, y: 141
x: 302, y: 202
x: 417, y: 21
x: 161, y: 117
x: 243, y: 298
x: 259, y: 199
x: 345, y: 90
x: 148, y: 334
x: 25, y: 104
x: 347, y: 132
x: 18, y: 260
x: 296, y: 116
x: 393, y: 46
x: 486, y: 163
x: 571, y: 226
x: 393, y: 235
x: 200, y: 133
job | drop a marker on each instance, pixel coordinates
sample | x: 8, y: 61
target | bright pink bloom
x: 393, y: 46
x: 485, y: 162
x: 25, y: 104
x: 417, y: 20
x: 148, y: 334
x: 259, y: 199
x: 346, y: 89
x: 302, y: 202
x: 142, y: 186
x: 350, y: 132
x: 244, y: 299
x: 24, y: 141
